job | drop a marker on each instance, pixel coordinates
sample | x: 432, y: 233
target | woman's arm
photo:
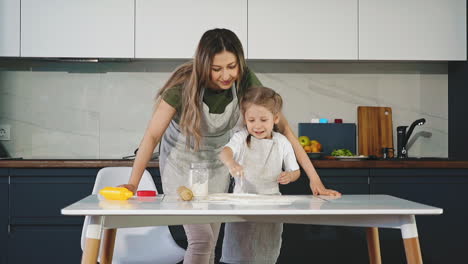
x: 158, y: 124
x: 316, y: 184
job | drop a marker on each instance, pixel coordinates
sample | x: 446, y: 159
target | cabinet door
x: 45, y: 244
x: 296, y: 29
x: 320, y: 243
x: 37, y: 226
x: 172, y: 29
x: 4, y: 215
x: 412, y: 30
x: 442, y: 237
x: 9, y: 28
x: 77, y: 28
x: 38, y: 195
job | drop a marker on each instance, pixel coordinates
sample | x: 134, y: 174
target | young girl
x: 255, y: 156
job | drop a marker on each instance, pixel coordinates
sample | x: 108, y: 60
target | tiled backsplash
x: 66, y: 110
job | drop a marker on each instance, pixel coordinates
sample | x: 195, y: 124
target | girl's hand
x: 285, y: 177
x: 319, y: 189
x: 236, y: 170
x: 130, y: 187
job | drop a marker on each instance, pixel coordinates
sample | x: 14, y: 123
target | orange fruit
x: 308, y: 148
x: 316, y: 146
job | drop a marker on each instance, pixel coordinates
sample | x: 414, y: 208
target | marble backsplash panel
x: 88, y: 112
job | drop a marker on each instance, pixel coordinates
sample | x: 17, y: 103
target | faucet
x: 403, y: 136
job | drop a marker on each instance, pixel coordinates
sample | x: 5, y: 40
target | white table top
x: 233, y: 204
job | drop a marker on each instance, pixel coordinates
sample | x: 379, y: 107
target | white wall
x: 62, y: 110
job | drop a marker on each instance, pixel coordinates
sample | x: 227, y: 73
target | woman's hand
x: 319, y: 189
x: 235, y: 169
x: 285, y: 177
x: 130, y: 187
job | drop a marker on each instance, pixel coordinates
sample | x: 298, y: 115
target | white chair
x: 141, y: 244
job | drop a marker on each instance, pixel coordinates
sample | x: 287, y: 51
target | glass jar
x: 199, y: 175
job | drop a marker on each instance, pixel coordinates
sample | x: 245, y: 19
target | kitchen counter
x: 338, y: 164
x: 70, y: 163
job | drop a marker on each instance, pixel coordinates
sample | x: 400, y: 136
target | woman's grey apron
x: 255, y: 242
x: 175, y: 158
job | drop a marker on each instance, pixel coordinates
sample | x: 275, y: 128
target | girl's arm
x: 289, y: 176
x: 316, y: 184
x: 158, y: 124
x: 227, y: 157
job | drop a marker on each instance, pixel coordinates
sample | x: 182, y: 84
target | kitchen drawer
x: 44, y: 244
x: 38, y: 195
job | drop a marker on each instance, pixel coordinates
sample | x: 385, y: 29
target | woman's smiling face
x: 224, y: 70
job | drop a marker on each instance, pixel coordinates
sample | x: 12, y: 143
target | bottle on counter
x: 198, y: 178
x: 116, y: 193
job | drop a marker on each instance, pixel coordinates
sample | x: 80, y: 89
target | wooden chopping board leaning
x: 375, y: 130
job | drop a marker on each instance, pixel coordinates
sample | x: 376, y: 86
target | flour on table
x: 247, y: 198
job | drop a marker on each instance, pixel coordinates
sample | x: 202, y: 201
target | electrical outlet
x: 4, y: 132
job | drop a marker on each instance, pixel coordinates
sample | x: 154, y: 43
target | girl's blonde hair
x: 263, y: 96
x: 194, y: 76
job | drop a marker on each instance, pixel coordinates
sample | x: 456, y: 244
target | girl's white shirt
x: 238, y: 145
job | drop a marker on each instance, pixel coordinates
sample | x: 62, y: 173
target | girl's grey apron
x: 255, y: 242
x: 175, y: 158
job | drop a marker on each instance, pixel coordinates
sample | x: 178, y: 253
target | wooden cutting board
x: 375, y: 130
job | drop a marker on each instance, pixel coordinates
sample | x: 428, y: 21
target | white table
x: 371, y: 211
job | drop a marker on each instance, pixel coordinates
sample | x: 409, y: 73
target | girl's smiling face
x: 260, y: 121
x: 224, y: 70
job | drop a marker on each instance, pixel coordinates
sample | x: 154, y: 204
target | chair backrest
x: 141, y: 244
x: 112, y: 176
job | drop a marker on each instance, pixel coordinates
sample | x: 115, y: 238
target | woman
x: 195, y: 112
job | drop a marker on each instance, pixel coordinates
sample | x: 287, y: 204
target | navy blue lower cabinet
x: 38, y: 231
x: 3, y: 215
x: 45, y: 244
x: 346, y: 181
x: 443, y: 238
x: 37, y: 194
x: 321, y: 244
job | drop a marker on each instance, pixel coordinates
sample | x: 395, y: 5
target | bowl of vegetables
x: 346, y: 154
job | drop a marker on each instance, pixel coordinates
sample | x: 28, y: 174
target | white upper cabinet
x: 298, y: 29
x: 9, y: 28
x: 412, y: 29
x: 77, y: 28
x: 172, y: 29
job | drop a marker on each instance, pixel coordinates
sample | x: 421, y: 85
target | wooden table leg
x: 373, y: 245
x: 91, y: 251
x: 93, y: 241
x: 409, y: 233
x: 108, y: 245
x: 413, y: 251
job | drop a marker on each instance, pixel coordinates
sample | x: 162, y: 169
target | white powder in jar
x: 200, y: 189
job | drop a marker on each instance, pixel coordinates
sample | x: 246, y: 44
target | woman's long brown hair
x: 194, y: 76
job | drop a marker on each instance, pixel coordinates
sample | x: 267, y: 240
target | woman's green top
x: 215, y: 100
